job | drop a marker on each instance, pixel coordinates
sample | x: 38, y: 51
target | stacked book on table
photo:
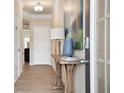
x: 70, y: 58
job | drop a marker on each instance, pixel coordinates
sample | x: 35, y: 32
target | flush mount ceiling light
x: 38, y: 7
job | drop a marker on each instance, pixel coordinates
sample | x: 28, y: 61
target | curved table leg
x: 58, y: 84
x: 67, y: 72
x: 64, y: 78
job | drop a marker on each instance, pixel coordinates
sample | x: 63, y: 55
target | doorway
x: 26, y: 42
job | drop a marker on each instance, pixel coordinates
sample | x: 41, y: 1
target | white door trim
x: 93, y: 62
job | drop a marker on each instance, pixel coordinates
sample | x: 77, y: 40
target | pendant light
x: 38, y: 7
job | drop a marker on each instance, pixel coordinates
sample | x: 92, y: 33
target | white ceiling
x: 28, y: 6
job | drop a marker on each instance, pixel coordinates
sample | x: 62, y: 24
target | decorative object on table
x: 68, y: 46
x: 57, y: 33
x: 57, y: 36
x: 70, y: 58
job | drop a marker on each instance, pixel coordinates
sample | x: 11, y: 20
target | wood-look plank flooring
x: 36, y: 79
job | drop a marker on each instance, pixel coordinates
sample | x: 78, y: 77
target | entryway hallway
x: 36, y: 79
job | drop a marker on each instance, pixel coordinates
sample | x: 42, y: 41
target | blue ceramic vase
x: 68, y: 47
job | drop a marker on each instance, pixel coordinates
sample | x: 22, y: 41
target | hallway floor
x: 36, y: 79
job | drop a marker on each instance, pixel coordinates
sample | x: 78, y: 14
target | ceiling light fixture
x: 38, y: 7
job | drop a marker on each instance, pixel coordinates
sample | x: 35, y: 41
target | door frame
x: 28, y: 30
x: 93, y: 62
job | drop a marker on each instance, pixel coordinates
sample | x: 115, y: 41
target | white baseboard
x: 39, y: 64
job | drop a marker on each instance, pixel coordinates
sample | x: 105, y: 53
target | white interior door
x: 18, y: 67
x: 41, y: 45
x: 18, y: 62
x: 103, y: 45
x: 16, y: 54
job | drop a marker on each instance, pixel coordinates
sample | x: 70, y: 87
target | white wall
x: 80, y: 79
x: 57, y: 14
x: 41, y: 22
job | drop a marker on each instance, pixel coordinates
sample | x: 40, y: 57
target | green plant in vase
x: 79, y: 39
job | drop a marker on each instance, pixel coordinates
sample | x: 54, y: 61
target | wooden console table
x: 65, y: 73
x: 68, y: 74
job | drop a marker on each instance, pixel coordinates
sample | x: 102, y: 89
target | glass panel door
x: 103, y: 46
